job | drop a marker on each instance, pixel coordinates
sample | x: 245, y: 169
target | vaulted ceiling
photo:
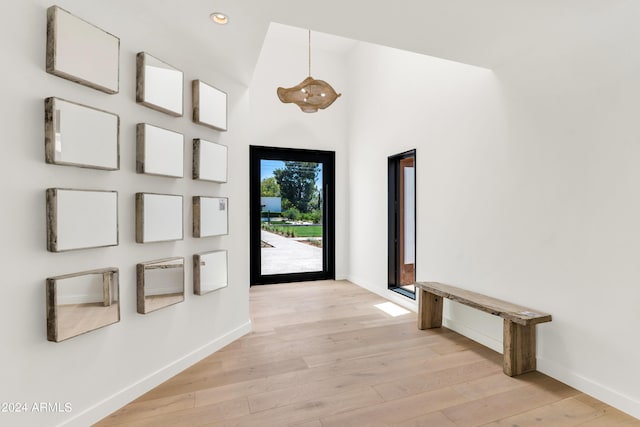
x: 486, y: 33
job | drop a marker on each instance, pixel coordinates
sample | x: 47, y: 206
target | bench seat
x: 519, y: 335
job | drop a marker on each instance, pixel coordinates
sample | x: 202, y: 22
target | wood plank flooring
x: 321, y: 355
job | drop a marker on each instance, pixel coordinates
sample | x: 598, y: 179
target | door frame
x: 395, y: 220
x: 327, y: 158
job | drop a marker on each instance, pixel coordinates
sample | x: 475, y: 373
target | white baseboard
x: 611, y: 397
x: 473, y: 334
x: 109, y: 405
x: 394, y: 297
x: 556, y: 371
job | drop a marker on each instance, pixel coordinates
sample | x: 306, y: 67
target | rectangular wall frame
x: 159, y: 85
x: 80, y: 219
x: 209, y: 105
x: 81, y: 52
x: 210, y: 271
x: 210, y: 216
x: 160, y: 283
x: 78, y: 135
x: 81, y: 302
x: 158, y: 217
x: 159, y: 151
x: 209, y: 161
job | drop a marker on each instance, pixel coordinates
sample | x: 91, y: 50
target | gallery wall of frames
x: 86, y: 136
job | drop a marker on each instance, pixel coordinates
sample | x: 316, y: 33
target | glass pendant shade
x: 310, y: 95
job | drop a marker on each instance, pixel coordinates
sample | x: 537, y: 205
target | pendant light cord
x: 309, y: 52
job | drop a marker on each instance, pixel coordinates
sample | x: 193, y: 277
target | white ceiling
x: 486, y: 33
x: 299, y: 37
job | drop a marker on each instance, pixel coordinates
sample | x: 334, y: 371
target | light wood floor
x: 321, y: 355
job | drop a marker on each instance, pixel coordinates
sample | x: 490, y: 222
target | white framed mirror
x: 159, y: 85
x: 81, y: 52
x: 209, y: 105
x: 210, y: 216
x: 158, y: 217
x: 209, y: 161
x: 160, y: 283
x: 159, y: 151
x: 80, y: 219
x: 210, y: 271
x: 81, y: 302
x: 78, y: 135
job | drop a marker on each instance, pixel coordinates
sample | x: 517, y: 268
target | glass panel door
x: 291, y: 215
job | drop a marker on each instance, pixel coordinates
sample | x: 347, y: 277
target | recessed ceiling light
x: 219, y: 18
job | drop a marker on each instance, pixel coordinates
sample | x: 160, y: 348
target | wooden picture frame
x: 81, y: 219
x: 210, y: 161
x: 210, y: 271
x: 159, y: 151
x: 81, y: 52
x: 209, y: 105
x: 160, y: 284
x: 81, y: 302
x: 79, y: 135
x: 159, y: 85
x: 210, y: 216
x: 159, y: 217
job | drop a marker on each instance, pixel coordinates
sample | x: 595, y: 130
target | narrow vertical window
x: 402, y: 223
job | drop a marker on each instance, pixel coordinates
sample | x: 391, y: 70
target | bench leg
x: 429, y: 310
x: 519, y: 348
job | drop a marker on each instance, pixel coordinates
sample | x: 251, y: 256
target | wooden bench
x: 519, y: 340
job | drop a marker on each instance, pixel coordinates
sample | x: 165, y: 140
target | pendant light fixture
x: 310, y: 95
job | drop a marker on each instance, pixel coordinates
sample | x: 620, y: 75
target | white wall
x: 283, y: 62
x: 573, y: 156
x: 104, y: 369
x: 450, y: 113
x: 527, y: 191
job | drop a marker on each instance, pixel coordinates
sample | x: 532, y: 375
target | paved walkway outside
x: 288, y: 255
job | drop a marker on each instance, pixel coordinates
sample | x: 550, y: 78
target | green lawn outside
x: 298, y: 230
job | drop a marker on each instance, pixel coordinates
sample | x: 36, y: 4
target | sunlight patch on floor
x: 392, y: 309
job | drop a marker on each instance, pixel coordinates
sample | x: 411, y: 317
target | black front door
x: 292, y: 215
